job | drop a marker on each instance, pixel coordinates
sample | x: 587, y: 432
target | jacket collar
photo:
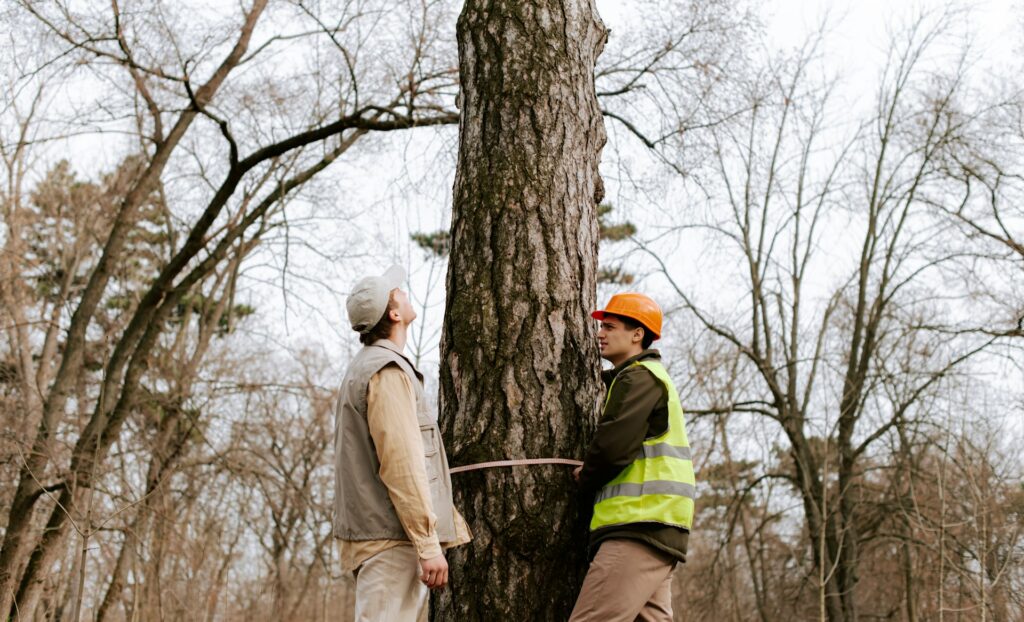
x: 387, y: 344
x: 608, y: 375
x: 390, y: 345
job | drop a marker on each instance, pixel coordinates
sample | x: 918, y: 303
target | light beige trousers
x: 388, y: 587
x: 628, y: 580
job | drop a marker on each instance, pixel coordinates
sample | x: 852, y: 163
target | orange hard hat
x: 638, y: 307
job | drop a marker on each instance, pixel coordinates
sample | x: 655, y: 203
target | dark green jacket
x: 637, y: 409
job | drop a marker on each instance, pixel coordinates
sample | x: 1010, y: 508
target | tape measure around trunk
x: 512, y: 463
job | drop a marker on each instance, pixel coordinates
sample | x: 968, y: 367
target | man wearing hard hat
x: 639, y: 470
x: 393, y: 511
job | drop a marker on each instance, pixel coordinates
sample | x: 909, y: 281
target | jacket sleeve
x: 391, y: 415
x: 622, y: 428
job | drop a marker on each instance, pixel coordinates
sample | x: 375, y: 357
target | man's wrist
x: 429, y: 548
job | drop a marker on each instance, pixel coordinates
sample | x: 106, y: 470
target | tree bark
x: 519, y: 359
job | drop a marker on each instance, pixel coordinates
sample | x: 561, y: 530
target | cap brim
x: 597, y: 315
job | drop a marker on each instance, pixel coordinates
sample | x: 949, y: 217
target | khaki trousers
x: 628, y: 580
x: 388, y: 587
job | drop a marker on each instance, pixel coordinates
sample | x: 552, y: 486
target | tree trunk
x: 171, y: 437
x: 519, y: 358
x: 908, y: 576
x: 816, y: 502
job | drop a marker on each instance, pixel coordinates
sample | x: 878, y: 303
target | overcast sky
x: 854, y: 48
x: 415, y: 194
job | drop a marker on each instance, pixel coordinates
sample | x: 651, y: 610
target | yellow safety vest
x: 658, y: 486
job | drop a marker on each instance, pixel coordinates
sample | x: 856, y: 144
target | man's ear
x: 395, y: 315
x: 638, y: 334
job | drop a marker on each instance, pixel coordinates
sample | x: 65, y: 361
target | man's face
x: 406, y: 314
x: 615, y: 340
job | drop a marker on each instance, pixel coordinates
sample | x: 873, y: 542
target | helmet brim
x: 600, y: 315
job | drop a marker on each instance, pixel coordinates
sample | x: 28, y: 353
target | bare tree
x: 182, y: 89
x: 815, y: 370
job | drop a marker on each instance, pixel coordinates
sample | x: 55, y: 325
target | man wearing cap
x: 393, y: 511
x: 638, y: 470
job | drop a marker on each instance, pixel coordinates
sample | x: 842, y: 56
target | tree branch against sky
x: 839, y: 255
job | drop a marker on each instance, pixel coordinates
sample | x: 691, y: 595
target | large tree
x: 518, y: 358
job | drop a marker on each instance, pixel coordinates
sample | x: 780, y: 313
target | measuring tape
x: 511, y: 463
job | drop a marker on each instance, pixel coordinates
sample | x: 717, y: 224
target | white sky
x: 854, y: 48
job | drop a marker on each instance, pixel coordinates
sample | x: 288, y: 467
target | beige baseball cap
x: 368, y: 299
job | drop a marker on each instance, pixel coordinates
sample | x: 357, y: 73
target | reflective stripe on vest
x: 659, y: 485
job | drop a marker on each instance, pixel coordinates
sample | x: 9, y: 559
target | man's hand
x: 576, y: 473
x: 434, y: 572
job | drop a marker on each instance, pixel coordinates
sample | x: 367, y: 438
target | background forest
x: 827, y: 200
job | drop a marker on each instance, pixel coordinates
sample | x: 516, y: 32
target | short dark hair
x: 632, y: 324
x: 382, y: 329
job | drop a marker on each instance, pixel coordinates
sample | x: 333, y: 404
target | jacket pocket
x: 431, y: 445
x: 440, y: 486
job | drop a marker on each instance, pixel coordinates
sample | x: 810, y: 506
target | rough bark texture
x: 519, y: 359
